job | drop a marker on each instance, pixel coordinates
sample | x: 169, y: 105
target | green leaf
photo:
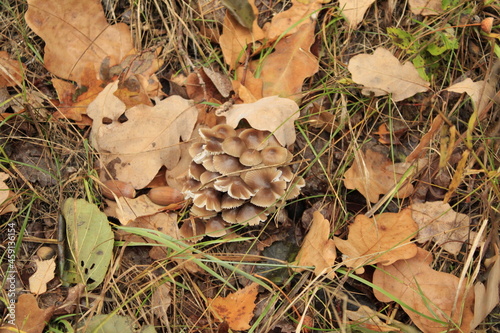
x: 242, y: 11
x: 403, y: 39
x: 104, y: 323
x: 445, y: 40
x: 90, y: 242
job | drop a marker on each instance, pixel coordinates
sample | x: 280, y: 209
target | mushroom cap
x: 229, y: 215
x: 234, y: 146
x: 261, y: 178
x: 208, y: 176
x: 228, y: 202
x: 286, y: 173
x: 235, y: 187
x: 215, y: 227
x: 192, y: 231
x: 254, y: 139
x: 201, y: 212
x: 223, y: 131
x: 294, y: 188
x: 213, y: 146
x: 190, y: 186
x: 208, y: 163
x: 195, y: 170
x: 250, y: 214
x: 275, y: 155
x: 209, y: 198
x: 268, y: 196
x: 226, y: 164
x: 198, y: 152
x: 251, y: 157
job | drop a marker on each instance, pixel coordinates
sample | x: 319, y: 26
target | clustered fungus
x: 237, y: 177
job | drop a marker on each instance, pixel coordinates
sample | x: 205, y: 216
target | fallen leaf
x: 427, y: 291
x: 6, y: 196
x: 439, y: 222
x: 283, y: 72
x: 318, y: 249
x: 127, y: 210
x: 481, y: 93
x: 381, y: 73
x: 134, y: 151
x: 373, y: 174
x: 368, y: 318
x: 242, y: 11
x: 11, y: 71
x: 76, y: 33
x: 274, y: 114
x: 426, y: 7
x: 237, y: 308
x: 29, y: 318
x: 161, y: 301
x: 487, y: 296
x: 44, y: 273
x: 384, y: 239
x: 354, y: 10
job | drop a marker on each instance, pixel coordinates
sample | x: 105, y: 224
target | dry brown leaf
x: 384, y: 239
x: 480, y: 92
x: 127, y: 210
x: 29, y: 318
x: 373, y: 174
x: 283, y: 72
x: 487, y: 297
x: 318, y: 249
x: 381, y: 73
x: 235, y: 39
x: 237, y: 308
x: 44, y: 273
x: 291, y: 20
x: 274, y: 114
x: 426, y: 7
x: 76, y: 33
x: 439, y: 222
x: 161, y: 301
x: 133, y: 151
x: 6, y: 195
x: 427, y: 291
x: 11, y: 71
x: 368, y: 318
x: 250, y: 90
x: 354, y: 10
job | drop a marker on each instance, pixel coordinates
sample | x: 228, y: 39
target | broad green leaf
x: 403, y: 39
x: 90, y: 241
x: 111, y: 323
x: 445, y: 40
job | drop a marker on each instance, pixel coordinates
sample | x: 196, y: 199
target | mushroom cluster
x: 238, y: 177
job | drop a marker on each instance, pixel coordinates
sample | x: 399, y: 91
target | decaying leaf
x: 161, y: 301
x: 480, y: 92
x: 237, y: 308
x: 29, y: 318
x: 90, y: 241
x: 318, y: 249
x: 126, y: 210
x: 354, y: 10
x: 283, y: 72
x: 426, y: 7
x: 368, y: 318
x: 439, y: 222
x: 44, y: 273
x: 76, y: 33
x: 11, y: 71
x: 381, y: 73
x: 384, y: 239
x: 111, y: 323
x: 6, y: 196
x: 487, y: 295
x: 274, y: 114
x: 427, y: 291
x: 133, y: 151
x: 373, y: 174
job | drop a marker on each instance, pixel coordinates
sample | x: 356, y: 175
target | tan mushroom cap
x: 268, y: 196
x: 195, y: 170
x: 213, y: 146
x: 197, y: 152
x: 229, y: 215
x: 216, y: 227
x: 286, y: 173
x: 251, y: 157
x: 275, y: 155
x: 250, y: 214
x: 235, y: 187
x: 223, y: 131
x: 208, y: 163
x: 209, y: 198
x: 226, y: 164
x: 254, y: 139
x: 261, y: 178
x: 294, y: 187
x: 208, y: 177
x: 228, y: 202
x: 190, y: 186
x: 192, y: 231
x: 234, y: 146
x: 201, y: 212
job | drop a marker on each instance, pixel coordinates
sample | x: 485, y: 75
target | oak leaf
x: 127, y: 210
x: 274, y: 114
x: 6, y: 196
x: 318, y: 249
x: 237, y: 308
x: 44, y: 273
x: 373, y: 174
x: 439, y: 222
x: 381, y: 73
x: 76, y: 33
x: 426, y: 7
x: 133, y: 151
x: 29, y: 318
x: 480, y: 92
x: 487, y: 292
x: 354, y: 10
x: 384, y: 239
x: 11, y: 71
x: 427, y: 291
x: 283, y: 72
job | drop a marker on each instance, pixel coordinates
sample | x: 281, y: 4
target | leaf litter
x: 143, y: 140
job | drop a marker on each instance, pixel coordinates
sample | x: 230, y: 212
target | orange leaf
x: 384, y: 239
x: 318, y: 250
x: 427, y: 291
x: 76, y: 33
x: 29, y: 318
x: 237, y: 308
